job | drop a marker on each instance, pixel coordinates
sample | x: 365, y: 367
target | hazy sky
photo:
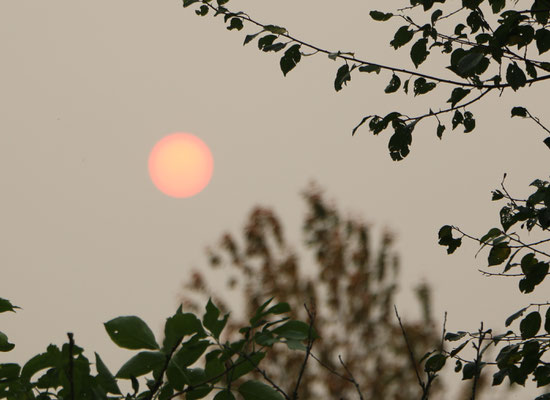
x: 87, y: 88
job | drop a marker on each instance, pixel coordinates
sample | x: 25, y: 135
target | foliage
x: 491, y: 46
x: 170, y: 369
x: 352, y: 286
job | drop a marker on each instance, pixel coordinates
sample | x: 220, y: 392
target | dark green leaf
x: 400, y: 141
x: 245, y: 365
x: 211, y: 321
x: 498, y: 254
x: 380, y: 16
x: 5, y: 305
x: 291, y: 58
x: 8, y: 372
x: 343, y: 76
x: 266, y: 41
x: 187, y: 3
x: 402, y: 37
x: 423, y: 87
x: 249, y: 38
x: 190, y: 352
x: 457, y: 349
x: 5, y: 345
x: 440, y: 130
x: 457, y: 95
x: 363, y: 120
x: 131, y: 333
x: 394, y: 84
x: 295, y: 330
x: 369, y: 68
x: 469, y: 63
x: 224, y: 395
x: 435, y: 16
x: 435, y: 363
x: 497, y: 5
x: 493, y: 233
x: 178, y: 326
x: 446, y: 239
x: 141, y: 364
x: 453, y: 337
x: 278, y: 30
x: 530, y: 325
x: 543, y: 40
x: 469, y: 122
x: 519, y: 112
x: 236, y: 23
x: 105, y: 378
x: 497, y: 195
x: 458, y: 119
x: 514, y: 316
x: 202, y: 11
x: 255, y: 390
x: 419, y: 52
x: 515, y: 76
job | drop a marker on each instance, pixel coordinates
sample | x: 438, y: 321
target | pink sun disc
x: 180, y: 165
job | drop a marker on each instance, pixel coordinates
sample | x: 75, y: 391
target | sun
x: 180, y: 165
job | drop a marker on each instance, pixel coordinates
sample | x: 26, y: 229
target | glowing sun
x: 180, y: 165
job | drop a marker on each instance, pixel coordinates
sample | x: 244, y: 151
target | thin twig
x: 351, y: 377
x: 310, y: 340
x: 411, y: 354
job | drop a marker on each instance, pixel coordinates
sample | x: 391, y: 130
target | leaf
x: 5, y: 345
x: 394, y: 84
x: 178, y: 326
x: 5, y: 305
x: 295, y: 330
x: 202, y: 11
x: 469, y: 63
x: 141, y: 364
x: 530, y: 325
x: 211, y: 321
x: 291, y: 58
x: 498, y: 254
x: 547, y: 320
x: 246, y: 365
x: 515, y: 76
x: 435, y: 16
x: 542, y: 38
x: 458, y: 94
x: 419, y: 53
x: 342, y: 77
x: 453, y: 337
x: 249, y: 38
x: 422, y: 87
x: 106, y: 380
x: 278, y: 30
x: 8, y: 372
x: 402, y: 37
x: 255, y: 390
x: 469, y: 122
x: 224, y: 395
x: 493, y: 233
x: 458, y: 118
x: 446, y: 239
x: 363, y: 120
x: 514, y: 316
x: 369, y: 68
x: 440, y: 130
x: 190, y: 352
x: 236, y: 23
x: 435, y: 363
x: 400, y: 142
x: 131, y: 332
x: 457, y: 350
x: 266, y: 41
x: 380, y: 16
x: 519, y: 112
